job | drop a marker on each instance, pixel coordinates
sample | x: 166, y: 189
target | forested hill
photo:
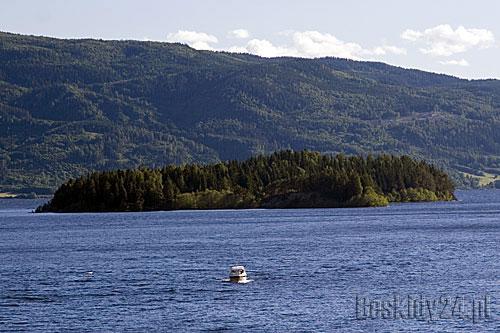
x: 284, y: 179
x: 68, y: 107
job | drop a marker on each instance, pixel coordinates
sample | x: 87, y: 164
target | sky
x: 460, y: 38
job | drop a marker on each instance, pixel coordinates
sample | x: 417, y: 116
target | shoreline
x: 22, y: 196
x: 243, y: 208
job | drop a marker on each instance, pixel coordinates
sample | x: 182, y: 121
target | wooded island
x: 285, y: 179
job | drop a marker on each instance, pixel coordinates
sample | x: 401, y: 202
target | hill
x: 69, y: 107
x: 282, y: 180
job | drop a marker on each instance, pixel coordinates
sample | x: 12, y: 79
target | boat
x: 238, y: 274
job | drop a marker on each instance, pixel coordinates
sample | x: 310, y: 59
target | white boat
x: 238, y: 274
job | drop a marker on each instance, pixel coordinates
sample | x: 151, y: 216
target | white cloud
x: 411, y: 35
x: 306, y: 44
x: 314, y: 44
x: 461, y: 62
x: 239, y: 33
x: 264, y: 48
x: 385, y: 49
x: 197, y: 40
x: 443, y: 40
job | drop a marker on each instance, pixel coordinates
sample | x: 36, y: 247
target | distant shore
x: 6, y: 195
x: 9, y: 195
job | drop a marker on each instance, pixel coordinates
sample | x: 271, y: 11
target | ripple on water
x: 164, y: 270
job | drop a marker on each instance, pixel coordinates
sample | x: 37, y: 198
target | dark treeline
x: 282, y: 180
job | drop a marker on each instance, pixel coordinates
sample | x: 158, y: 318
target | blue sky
x: 455, y: 37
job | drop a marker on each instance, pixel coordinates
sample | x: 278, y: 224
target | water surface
x: 164, y: 270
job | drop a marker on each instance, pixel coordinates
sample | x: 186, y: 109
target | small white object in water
x: 89, y: 274
x: 238, y: 274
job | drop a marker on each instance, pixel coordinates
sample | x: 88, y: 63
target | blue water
x: 164, y: 270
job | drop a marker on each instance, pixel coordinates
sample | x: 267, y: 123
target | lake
x: 407, y: 267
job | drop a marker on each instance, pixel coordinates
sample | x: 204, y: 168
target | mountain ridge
x: 69, y: 107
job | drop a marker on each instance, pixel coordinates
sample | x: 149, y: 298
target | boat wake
x: 237, y: 282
